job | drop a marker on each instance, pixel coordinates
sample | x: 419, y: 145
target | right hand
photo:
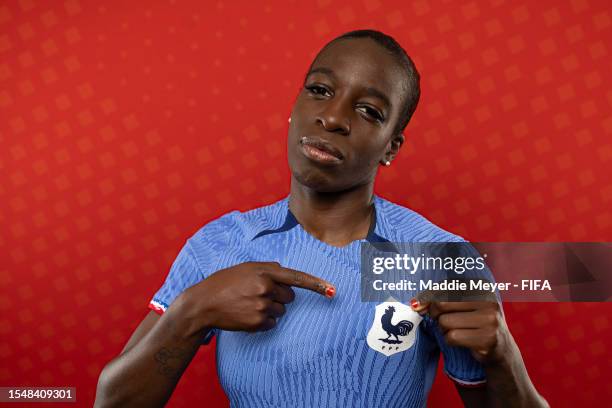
x: 249, y: 296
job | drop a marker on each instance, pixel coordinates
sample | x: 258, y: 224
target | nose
x: 334, y: 118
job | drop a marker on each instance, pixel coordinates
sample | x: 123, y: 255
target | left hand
x: 477, y: 325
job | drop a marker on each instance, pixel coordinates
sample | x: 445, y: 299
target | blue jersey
x: 319, y: 355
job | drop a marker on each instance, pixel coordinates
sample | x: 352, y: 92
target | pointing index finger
x: 303, y: 280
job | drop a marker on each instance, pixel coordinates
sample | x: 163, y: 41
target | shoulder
x: 235, y: 226
x: 401, y: 224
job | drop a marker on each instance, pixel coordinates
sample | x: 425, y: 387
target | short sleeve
x: 183, y: 274
x: 195, y: 262
x: 459, y: 363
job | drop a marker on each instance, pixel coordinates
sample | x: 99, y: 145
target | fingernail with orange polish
x: 330, y: 292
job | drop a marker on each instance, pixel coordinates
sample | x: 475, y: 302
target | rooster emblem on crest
x: 402, y: 328
x: 400, y: 336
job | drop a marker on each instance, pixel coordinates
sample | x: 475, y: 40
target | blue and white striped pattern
x: 317, y: 355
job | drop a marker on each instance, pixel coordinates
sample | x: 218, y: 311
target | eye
x: 372, y: 113
x: 318, y: 90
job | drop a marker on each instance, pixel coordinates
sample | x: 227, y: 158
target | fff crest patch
x: 394, y: 328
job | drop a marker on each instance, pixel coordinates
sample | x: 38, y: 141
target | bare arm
x: 481, y: 327
x: 246, y: 297
x: 154, y: 359
x: 508, y: 385
x: 505, y: 387
x: 473, y: 397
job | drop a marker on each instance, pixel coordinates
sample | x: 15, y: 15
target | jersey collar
x: 291, y: 222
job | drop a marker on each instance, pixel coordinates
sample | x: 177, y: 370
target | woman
x: 279, y: 285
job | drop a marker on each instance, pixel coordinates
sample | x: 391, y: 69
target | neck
x: 337, y: 218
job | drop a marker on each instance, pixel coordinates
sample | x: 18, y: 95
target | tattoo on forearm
x: 169, y: 361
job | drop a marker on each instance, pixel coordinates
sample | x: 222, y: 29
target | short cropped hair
x: 412, y: 88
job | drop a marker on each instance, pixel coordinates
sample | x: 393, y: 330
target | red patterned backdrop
x: 126, y: 126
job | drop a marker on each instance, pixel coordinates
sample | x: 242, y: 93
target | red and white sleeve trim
x: 467, y: 384
x: 157, y: 307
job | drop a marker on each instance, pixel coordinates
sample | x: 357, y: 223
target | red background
x: 126, y: 127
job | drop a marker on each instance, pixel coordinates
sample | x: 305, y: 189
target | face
x: 343, y: 119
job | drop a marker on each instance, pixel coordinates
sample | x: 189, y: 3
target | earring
x: 387, y: 163
x: 289, y: 120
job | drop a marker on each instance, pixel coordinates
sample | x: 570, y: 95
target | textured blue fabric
x: 317, y: 355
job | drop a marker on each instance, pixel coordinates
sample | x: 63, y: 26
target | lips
x: 316, y: 146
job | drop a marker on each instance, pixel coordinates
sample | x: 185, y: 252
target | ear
x: 394, y: 145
